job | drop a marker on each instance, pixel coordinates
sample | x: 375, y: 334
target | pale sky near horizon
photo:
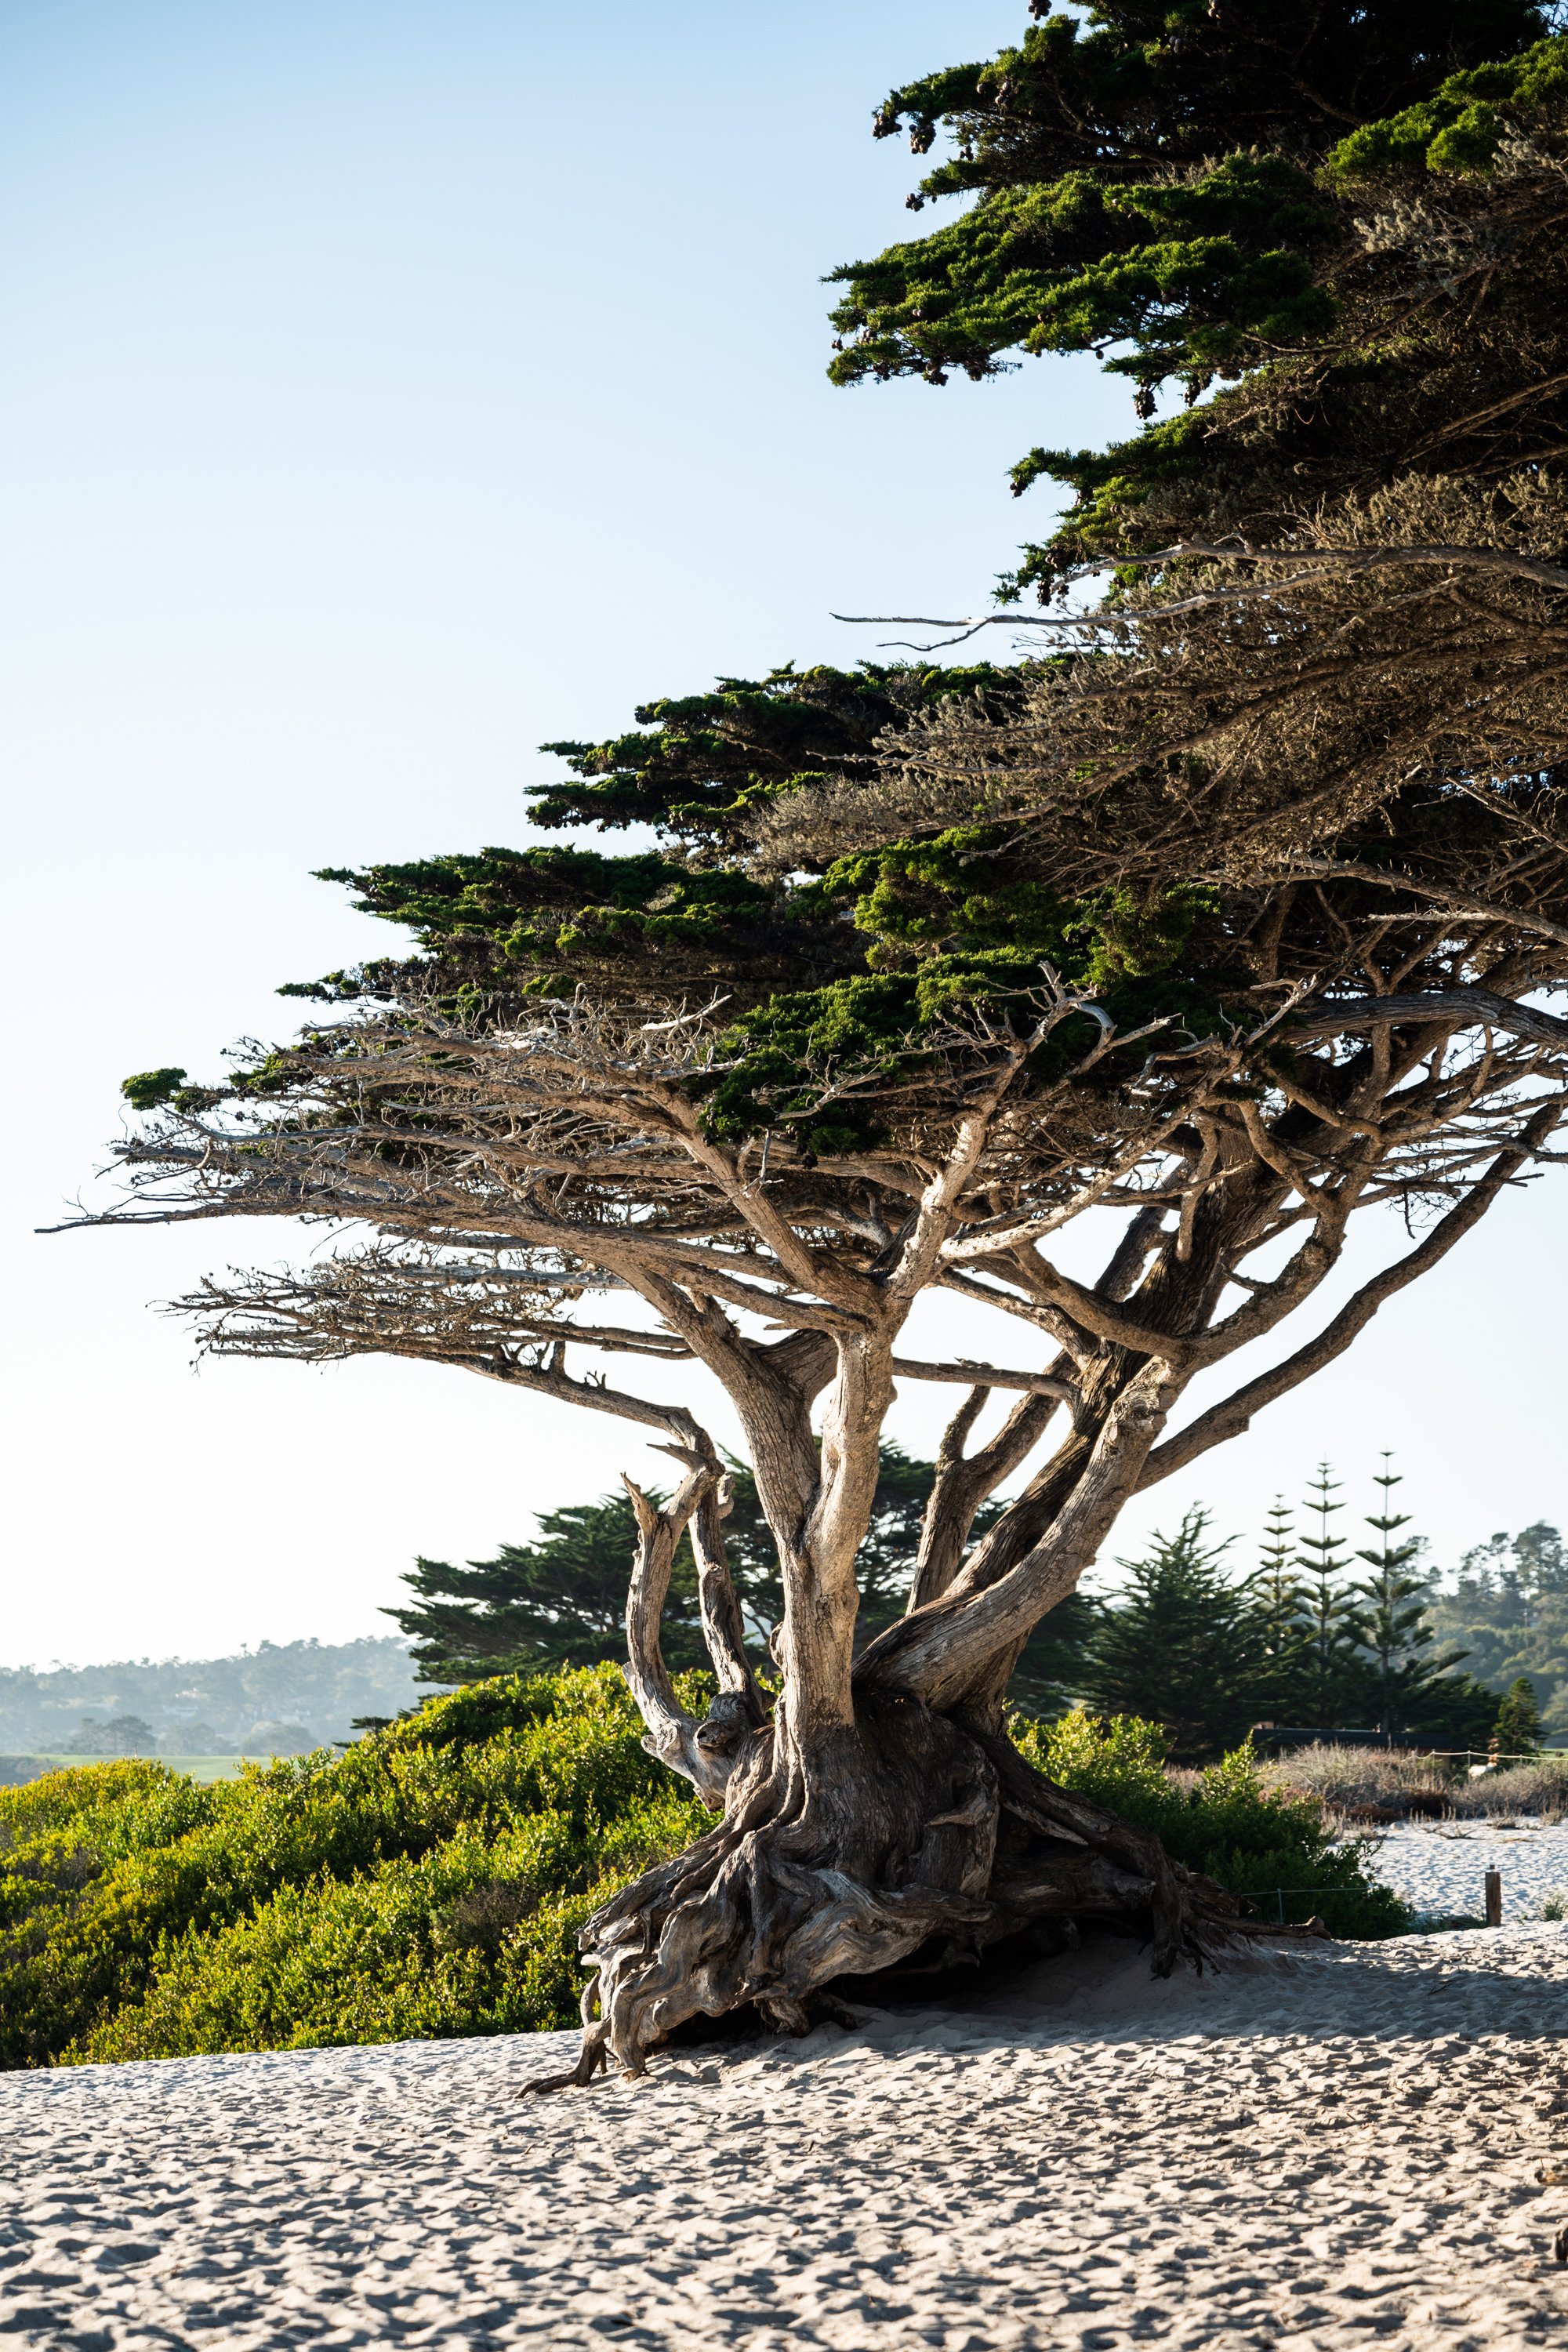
x: 391, y: 389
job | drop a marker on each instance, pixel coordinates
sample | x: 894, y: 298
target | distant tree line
x: 1316, y: 1635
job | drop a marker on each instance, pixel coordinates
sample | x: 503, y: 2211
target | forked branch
x: 704, y: 1753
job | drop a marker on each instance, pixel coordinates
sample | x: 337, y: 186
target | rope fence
x: 1492, y: 1897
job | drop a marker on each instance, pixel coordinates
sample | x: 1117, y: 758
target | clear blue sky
x: 391, y: 388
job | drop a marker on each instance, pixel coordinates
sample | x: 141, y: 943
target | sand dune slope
x: 1334, y: 2154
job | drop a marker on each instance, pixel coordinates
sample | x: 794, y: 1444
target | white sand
x: 1441, y: 1866
x: 1341, y: 2153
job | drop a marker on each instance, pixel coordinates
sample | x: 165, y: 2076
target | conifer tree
x: 1240, y: 918
x: 1332, y: 1624
x: 1518, y: 1730
x: 1280, y: 1602
x: 1394, y: 1626
x: 559, y: 1601
x: 1184, y: 1646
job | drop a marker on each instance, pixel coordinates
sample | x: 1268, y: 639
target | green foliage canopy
x: 1148, y: 177
x: 878, y: 923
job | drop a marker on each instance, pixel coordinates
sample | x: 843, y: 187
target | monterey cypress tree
x: 1242, y: 910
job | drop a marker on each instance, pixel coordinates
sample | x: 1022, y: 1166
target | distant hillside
x: 1508, y: 1610
x: 283, y: 1696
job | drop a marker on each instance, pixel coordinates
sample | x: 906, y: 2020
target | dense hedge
x: 431, y: 1880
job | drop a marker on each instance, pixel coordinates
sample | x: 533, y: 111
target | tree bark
x: 883, y: 1818
x: 902, y: 1837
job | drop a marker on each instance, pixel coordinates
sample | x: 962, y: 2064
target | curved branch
x: 723, y: 1629
x: 1473, y: 1008
x: 962, y: 1367
x: 936, y: 1655
x: 1319, y: 563
x: 673, y: 1736
x: 1100, y: 1315
x: 1231, y: 1417
x: 962, y: 1482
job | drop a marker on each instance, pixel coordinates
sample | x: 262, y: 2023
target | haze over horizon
x: 393, y: 389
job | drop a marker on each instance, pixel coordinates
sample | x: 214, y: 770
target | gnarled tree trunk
x: 883, y: 1816
x: 894, y: 1831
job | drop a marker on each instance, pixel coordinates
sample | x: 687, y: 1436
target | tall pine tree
x: 1185, y: 1646
x: 1281, y: 1601
x: 1400, y: 1666
x: 1331, y: 1624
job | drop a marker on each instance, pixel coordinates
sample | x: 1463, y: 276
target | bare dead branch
x: 963, y: 1368
x: 673, y: 1735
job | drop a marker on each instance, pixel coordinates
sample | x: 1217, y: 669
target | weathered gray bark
x: 901, y: 1834
x: 904, y: 1835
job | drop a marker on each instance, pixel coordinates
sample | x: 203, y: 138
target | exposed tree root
x: 907, y: 1838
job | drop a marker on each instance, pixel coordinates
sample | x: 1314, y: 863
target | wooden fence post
x: 1494, y: 1898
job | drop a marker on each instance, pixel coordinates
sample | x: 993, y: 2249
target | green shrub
x: 326, y: 1899
x: 1273, y: 1848
x: 431, y: 1881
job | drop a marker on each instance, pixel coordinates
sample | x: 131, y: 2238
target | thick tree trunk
x: 901, y: 1837
x: 882, y: 1819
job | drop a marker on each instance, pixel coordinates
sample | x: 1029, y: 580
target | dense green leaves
x: 1195, y: 193
x: 1146, y: 178
x: 1185, y: 1645
x: 150, y: 1089
x: 1275, y: 1849
x: 1518, y: 1731
x: 530, y: 921
x: 1458, y: 129
x: 330, y: 1900
x: 838, y: 983
x: 502, y: 923
x: 1188, y: 273
x: 701, y: 761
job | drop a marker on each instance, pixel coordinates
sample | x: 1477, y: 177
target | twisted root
x: 906, y: 1831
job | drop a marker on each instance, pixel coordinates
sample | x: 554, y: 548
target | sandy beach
x: 1441, y: 1866
x: 1317, y: 2154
